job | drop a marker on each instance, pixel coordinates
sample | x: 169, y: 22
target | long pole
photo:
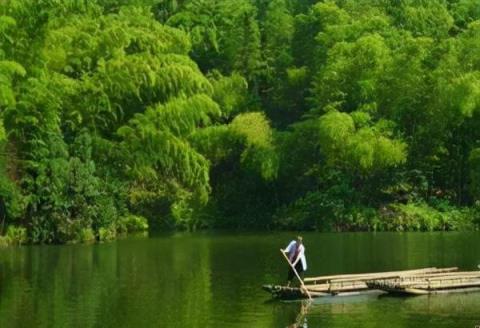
x: 296, y: 274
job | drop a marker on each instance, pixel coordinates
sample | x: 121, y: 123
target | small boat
x: 378, y: 283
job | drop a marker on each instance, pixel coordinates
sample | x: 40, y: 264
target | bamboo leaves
x: 8, y: 70
x: 259, y: 154
x: 157, y: 141
x: 368, y: 148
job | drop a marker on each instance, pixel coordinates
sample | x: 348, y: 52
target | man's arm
x: 300, y: 254
x: 289, y: 247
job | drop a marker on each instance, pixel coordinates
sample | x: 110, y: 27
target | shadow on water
x: 297, y: 312
x: 445, y: 310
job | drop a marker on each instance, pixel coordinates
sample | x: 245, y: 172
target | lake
x: 214, y: 280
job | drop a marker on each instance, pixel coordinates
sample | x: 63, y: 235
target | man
x: 296, y: 255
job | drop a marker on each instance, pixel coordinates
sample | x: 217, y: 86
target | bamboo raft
x: 453, y: 282
x: 407, y: 282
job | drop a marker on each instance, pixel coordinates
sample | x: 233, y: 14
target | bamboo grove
x: 333, y: 115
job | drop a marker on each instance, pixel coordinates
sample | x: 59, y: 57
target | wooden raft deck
x: 453, y: 282
x: 413, y: 282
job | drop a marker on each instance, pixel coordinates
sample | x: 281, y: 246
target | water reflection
x: 301, y: 318
x: 203, y: 280
x: 122, y: 284
x: 446, y: 310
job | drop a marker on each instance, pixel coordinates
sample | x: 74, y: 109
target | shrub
x: 16, y: 235
x: 423, y: 217
x: 4, y: 241
x: 132, y: 223
x: 86, y: 235
x: 305, y: 213
x: 107, y: 233
x: 361, y: 218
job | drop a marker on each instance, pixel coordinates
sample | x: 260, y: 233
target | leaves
x: 367, y: 148
x: 8, y: 70
x: 235, y: 110
x: 260, y: 153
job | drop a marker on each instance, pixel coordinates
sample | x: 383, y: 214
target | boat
x: 408, y: 282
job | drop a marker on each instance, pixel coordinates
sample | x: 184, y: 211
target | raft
x: 454, y: 282
x: 295, y: 293
x: 407, y: 282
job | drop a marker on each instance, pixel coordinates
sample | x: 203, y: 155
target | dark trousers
x: 291, y: 274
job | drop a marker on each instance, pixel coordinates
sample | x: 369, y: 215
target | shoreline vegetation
x: 334, y: 115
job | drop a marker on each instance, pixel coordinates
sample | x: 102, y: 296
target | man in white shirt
x: 296, y: 255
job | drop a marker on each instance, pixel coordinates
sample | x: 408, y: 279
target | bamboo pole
x: 442, y: 275
x: 333, y: 285
x: 365, y: 276
x: 449, y: 285
x: 422, y: 284
x: 296, y: 274
x: 359, y: 275
x: 332, y: 289
x: 426, y: 279
x: 453, y: 276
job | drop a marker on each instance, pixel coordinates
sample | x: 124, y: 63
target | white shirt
x: 291, y: 250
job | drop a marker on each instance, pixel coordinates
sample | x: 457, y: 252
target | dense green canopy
x: 331, y: 115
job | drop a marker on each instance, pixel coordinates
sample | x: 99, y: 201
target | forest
x: 334, y: 115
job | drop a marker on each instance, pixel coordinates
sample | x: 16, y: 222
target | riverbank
x: 418, y: 216
x: 392, y: 218
x: 130, y: 224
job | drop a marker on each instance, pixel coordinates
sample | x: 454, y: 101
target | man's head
x: 299, y: 239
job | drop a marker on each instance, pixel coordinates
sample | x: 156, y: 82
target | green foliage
x: 217, y: 143
x: 85, y: 235
x: 352, y: 73
x: 465, y: 12
x: 320, y: 211
x: 225, y: 35
x: 8, y: 69
x: 366, y: 149
x: 254, y: 128
x: 132, y: 223
x: 474, y: 161
x: 107, y: 233
x: 203, y: 113
x: 425, y: 18
x: 313, y: 211
x: 65, y: 195
x: 229, y: 92
x: 422, y: 217
x: 259, y: 154
x: 16, y: 235
x: 277, y: 49
x: 335, y: 129
x: 154, y: 141
x: 4, y: 241
x: 10, y: 193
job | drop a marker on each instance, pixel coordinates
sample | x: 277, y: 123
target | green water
x: 213, y: 280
